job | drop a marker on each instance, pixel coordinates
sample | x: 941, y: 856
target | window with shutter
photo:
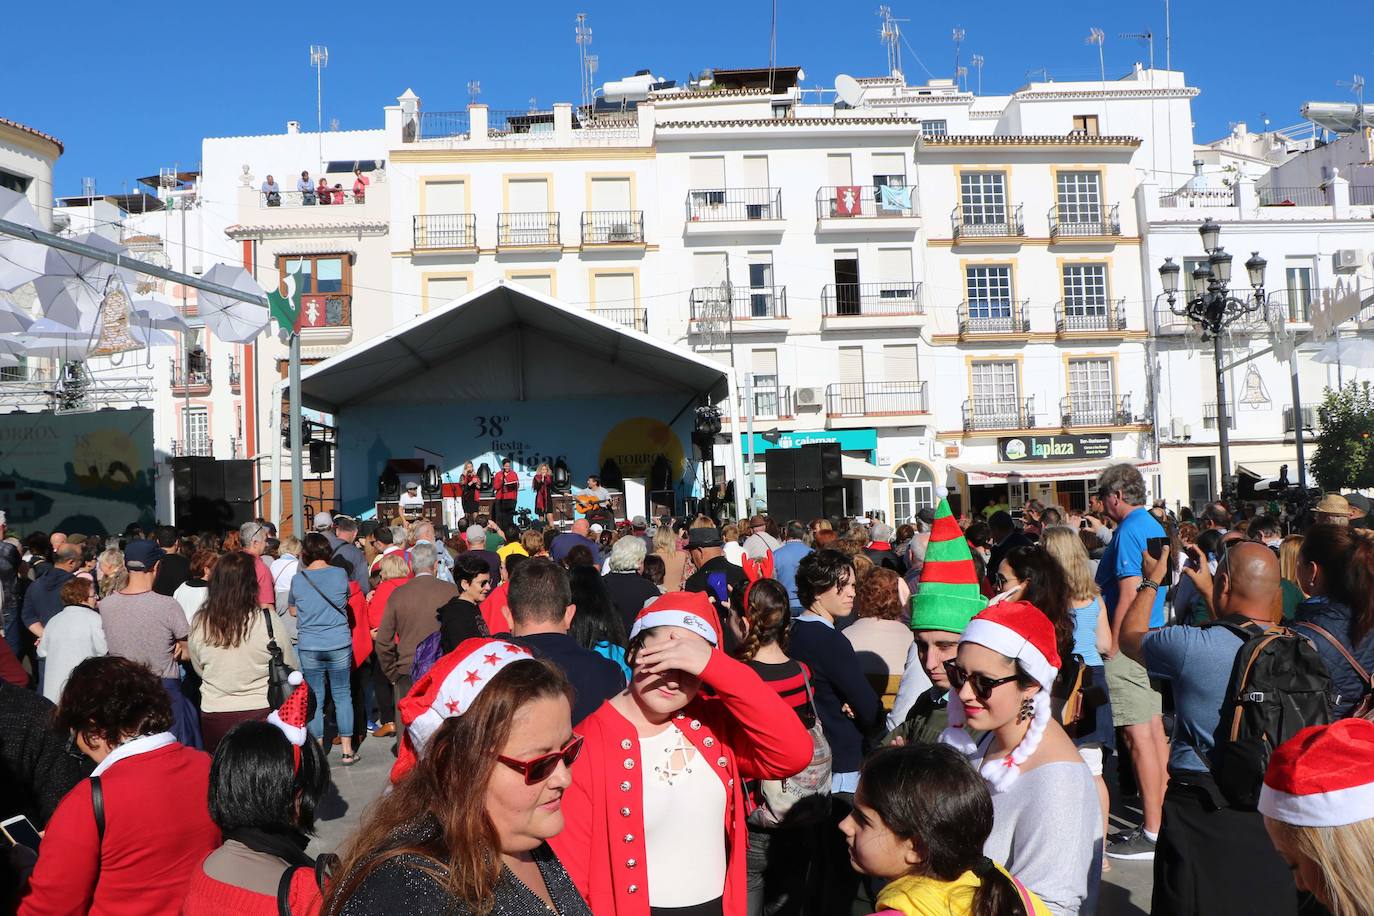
x: 899, y: 362
x: 442, y: 290
x: 446, y: 197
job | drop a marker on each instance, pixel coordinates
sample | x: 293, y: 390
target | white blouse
x: 684, y: 821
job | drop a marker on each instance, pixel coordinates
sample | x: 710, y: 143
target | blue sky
x: 132, y: 87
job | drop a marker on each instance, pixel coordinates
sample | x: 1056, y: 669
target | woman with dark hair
x: 1336, y: 569
x: 191, y: 594
x: 881, y: 637
x: 597, y: 625
x: 228, y: 645
x: 1031, y: 574
x: 263, y: 794
x: 151, y: 791
x: 655, y: 570
x: 319, y: 602
x: 465, y: 828
x: 1190, y: 605
x: 921, y: 817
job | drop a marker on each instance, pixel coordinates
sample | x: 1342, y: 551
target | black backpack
x: 1279, y: 685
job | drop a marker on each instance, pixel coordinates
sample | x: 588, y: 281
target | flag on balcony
x: 847, y: 200
x: 893, y: 198
x: 286, y: 309
x: 949, y: 596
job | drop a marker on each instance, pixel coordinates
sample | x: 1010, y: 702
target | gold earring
x: 1027, y: 709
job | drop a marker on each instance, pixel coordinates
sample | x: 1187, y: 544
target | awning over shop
x: 857, y: 469
x: 1009, y: 471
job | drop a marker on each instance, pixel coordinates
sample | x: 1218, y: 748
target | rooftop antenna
x: 891, y: 33
x: 958, y: 35
x: 1356, y: 86
x: 88, y: 187
x: 1146, y: 36
x: 1044, y: 74
x: 319, y: 59
x: 583, y: 33
x: 534, y: 103
x: 1097, y: 37
x: 977, y: 61
x: 474, y: 90
x: 961, y: 78
x: 1168, y: 39
x: 333, y: 123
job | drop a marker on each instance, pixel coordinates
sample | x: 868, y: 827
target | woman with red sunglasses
x: 478, y: 792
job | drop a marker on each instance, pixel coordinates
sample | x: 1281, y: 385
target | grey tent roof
x: 506, y: 342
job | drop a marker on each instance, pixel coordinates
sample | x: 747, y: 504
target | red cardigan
x: 210, y: 897
x: 157, y: 832
x: 744, y: 729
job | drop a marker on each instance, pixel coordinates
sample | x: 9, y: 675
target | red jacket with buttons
x: 744, y: 728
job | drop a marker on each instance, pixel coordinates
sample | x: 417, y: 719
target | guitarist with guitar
x: 595, y: 500
x: 506, y: 488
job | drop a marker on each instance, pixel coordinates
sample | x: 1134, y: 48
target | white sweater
x: 73, y: 635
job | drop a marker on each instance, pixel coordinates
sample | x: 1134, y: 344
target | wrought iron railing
x: 333, y: 197
x: 865, y: 202
x: 1096, y: 411
x: 993, y: 317
x: 1084, y: 222
x: 1256, y: 322
x: 196, y: 446
x: 1210, y: 415
x: 892, y: 297
x: 857, y: 399
x: 708, y: 205
x: 235, y: 373
x: 984, y: 222
x: 612, y: 227
x: 1292, y: 197
x: 1194, y: 198
x: 1296, y: 304
x: 190, y: 373
x: 630, y: 318
x: 527, y: 230
x: 434, y: 125
x: 1362, y: 194
x: 445, y: 230
x: 999, y: 414
x: 710, y: 303
x: 772, y: 402
x: 1076, y: 315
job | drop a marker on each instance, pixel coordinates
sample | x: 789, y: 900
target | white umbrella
x: 20, y: 260
x: 1348, y: 351
x: 154, y: 312
x: 14, y: 319
x: 150, y: 337
x: 73, y: 285
x: 232, y: 320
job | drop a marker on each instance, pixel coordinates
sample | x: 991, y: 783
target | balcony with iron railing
x: 984, y: 414
x: 881, y: 299
x: 838, y: 206
x: 291, y: 200
x: 630, y: 318
x: 1293, y: 197
x: 1211, y: 416
x: 1296, y: 305
x: 870, y: 399
x: 612, y: 227
x: 711, y: 305
x: 191, y: 375
x: 1095, y: 411
x: 235, y: 447
x: 989, y: 317
x: 527, y: 230
x: 1074, y: 317
x: 773, y: 402
x: 743, y: 208
x: 235, y: 375
x: 1069, y: 223
x: 199, y: 447
x: 445, y: 230
x: 986, y: 223
x: 1197, y: 198
x: 1311, y: 419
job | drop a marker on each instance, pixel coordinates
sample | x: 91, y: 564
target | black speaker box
x: 321, y: 458
x: 237, y: 479
x: 782, y: 505
x: 832, y: 474
x: 780, y: 466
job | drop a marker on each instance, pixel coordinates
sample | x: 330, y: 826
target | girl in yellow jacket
x: 921, y: 815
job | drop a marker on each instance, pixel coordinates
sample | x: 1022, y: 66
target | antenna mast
x: 583, y: 33
x: 958, y: 35
x: 1356, y: 86
x: 319, y: 59
x: 977, y: 61
x: 891, y: 37
x: 1146, y: 36
x: 474, y: 90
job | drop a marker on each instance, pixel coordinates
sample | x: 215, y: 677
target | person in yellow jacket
x: 921, y: 815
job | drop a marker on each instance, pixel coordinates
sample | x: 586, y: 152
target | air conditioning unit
x: 1346, y: 259
x: 810, y: 397
x: 1178, y: 428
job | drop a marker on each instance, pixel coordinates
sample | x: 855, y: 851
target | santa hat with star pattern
x: 1322, y: 777
x: 293, y: 714
x: 449, y: 689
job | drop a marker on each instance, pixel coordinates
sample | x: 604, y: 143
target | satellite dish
x: 849, y: 90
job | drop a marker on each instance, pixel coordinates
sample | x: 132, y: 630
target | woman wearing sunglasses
x: 1047, y: 826
x: 478, y: 792
x: 656, y: 812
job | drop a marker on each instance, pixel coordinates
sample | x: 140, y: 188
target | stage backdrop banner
x: 631, y: 431
x: 85, y: 473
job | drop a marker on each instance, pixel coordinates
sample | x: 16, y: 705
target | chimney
x: 293, y: 127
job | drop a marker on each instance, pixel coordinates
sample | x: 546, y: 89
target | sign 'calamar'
x: 1049, y: 448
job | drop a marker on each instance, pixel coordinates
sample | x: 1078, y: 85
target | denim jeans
x: 337, y: 665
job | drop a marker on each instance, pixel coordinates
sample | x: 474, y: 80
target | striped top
x: 786, y: 678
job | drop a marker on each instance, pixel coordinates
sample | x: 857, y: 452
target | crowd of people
x: 698, y: 719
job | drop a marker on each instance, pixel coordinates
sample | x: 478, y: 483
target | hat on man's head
x: 689, y: 610
x: 141, y: 556
x: 639, y: 523
x: 704, y: 538
x: 476, y: 537
x: 1333, y: 504
x: 413, y: 485
x: 758, y: 521
x: 948, y: 595
x: 323, y: 520
x: 596, y: 528
x: 1321, y: 777
x: 1357, y: 501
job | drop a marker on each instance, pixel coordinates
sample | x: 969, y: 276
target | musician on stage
x: 543, y: 493
x: 596, y: 490
x: 469, y: 490
x: 506, y: 486
x: 412, y: 503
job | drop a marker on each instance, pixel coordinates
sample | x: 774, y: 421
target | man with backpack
x: 1213, y: 855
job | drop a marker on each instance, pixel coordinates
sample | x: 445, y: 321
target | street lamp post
x: 1212, y: 308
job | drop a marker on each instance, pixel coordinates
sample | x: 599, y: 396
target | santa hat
x: 948, y: 596
x: 1322, y: 776
x: 689, y: 610
x: 1021, y: 631
x: 293, y: 714
x: 449, y: 689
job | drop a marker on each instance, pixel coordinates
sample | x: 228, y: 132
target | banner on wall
x: 1053, y: 448
x: 90, y: 473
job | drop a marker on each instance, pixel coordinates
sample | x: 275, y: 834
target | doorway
x: 847, y: 300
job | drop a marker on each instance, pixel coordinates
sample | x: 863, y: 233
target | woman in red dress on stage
x: 468, y: 490
x: 543, y: 493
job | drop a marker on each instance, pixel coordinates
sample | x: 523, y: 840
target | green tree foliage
x: 1344, y: 456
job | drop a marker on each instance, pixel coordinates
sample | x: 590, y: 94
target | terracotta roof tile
x: 37, y: 133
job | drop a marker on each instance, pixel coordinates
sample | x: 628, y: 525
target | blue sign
x: 850, y: 440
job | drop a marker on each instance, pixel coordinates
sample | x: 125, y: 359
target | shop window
x: 912, y: 491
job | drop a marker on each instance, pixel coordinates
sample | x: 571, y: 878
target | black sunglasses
x: 983, y: 686
x: 541, y: 768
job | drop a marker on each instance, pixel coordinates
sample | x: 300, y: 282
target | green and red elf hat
x: 949, y: 596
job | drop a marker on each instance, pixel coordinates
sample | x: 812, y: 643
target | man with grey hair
x: 1136, y: 705
x: 476, y: 537
x: 43, y: 599
x: 411, y: 614
x: 626, y: 582
x: 253, y: 537
x: 422, y: 532
x: 342, y: 543
x: 879, y: 548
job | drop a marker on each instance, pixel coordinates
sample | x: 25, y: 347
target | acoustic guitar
x: 586, y: 502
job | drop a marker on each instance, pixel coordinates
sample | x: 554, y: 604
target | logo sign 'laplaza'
x: 1053, y: 448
